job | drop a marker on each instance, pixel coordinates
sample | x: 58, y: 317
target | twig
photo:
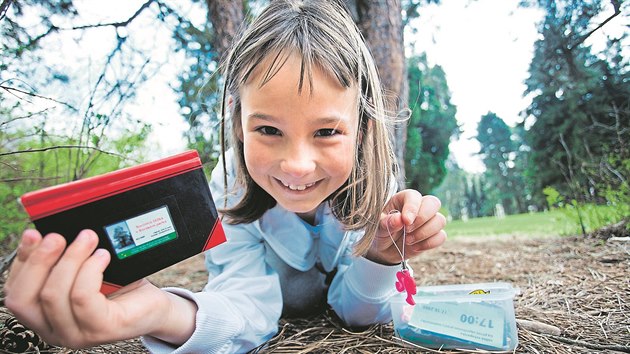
x: 114, y: 24
x: 617, y: 6
x: 4, y: 6
x: 61, y: 147
x: 11, y: 89
x: 30, y: 115
x: 538, y: 327
x: 17, y: 179
x: 6, y: 261
x: 615, y: 347
x: 124, y: 23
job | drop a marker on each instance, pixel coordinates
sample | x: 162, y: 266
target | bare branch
x: 568, y: 154
x: 114, y: 24
x: 30, y: 115
x: 62, y: 147
x: 9, y: 166
x: 4, y: 6
x: 86, y: 130
x: 17, y: 179
x: 617, y: 7
x: 13, y: 90
x: 34, y: 41
x: 124, y: 23
x: 614, y: 171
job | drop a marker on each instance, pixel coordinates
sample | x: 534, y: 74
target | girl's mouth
x: 298, y: 187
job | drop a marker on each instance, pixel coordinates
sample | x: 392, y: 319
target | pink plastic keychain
x: 405, y: 281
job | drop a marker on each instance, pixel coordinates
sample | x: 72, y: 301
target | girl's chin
x: 301, y: 209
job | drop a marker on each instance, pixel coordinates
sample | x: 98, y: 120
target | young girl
x: 309, y: 211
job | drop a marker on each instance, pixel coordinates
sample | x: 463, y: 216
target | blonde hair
x: 325, y: 36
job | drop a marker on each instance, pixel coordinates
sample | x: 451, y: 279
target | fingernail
x: 82, y: 236
x: 48, y: 243
x: 411, y: 216
x: 27, y: 241
x: 100, y: 253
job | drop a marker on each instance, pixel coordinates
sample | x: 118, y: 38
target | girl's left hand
x: 423, y: 227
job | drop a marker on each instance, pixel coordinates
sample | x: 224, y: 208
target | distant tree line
x: 574, y: 139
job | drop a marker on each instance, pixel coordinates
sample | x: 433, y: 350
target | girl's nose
x: 298, y: 161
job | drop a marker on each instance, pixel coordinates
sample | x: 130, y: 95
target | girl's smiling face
x: 298, y: 146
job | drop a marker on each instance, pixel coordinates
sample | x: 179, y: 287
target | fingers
x: 422, y: 220
x: 30, y: 240
x: 87, y: 300
x: 412, y: 219
x: 54, y: 296
x: 50, y: 285
x: 428, y: 243
x: 407, y: 202
x: 391, y: 223
x: 428, y: 207
x: 36, y: 257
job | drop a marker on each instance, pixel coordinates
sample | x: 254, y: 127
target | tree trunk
x: 380, y: 21
x: 226, y: 17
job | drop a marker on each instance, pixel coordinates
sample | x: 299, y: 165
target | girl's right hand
x: 57, y: 295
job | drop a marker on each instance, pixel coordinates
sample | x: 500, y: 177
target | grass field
x: 550, y: 223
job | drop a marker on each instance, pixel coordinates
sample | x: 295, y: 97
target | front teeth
x: 299, y: 187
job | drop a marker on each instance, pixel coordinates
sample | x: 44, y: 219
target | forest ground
x: 578, y: 285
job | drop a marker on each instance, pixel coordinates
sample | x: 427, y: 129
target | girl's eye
x: 327, y: 132
x: 267, y: 130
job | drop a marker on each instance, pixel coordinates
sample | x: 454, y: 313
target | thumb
x: 390, y: 224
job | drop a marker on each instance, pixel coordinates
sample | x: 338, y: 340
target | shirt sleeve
x: 361, y: 291
x: 240, y: 306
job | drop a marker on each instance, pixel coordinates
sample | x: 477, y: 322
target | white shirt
x: 241, y: 305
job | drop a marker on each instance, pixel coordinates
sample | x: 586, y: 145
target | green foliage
x: 25, y: 168
x: 504, y: 184
x: 13, y: 218
x: 22, y: 36
x: 452, y: 191
x: 198, y: 90
x: 412, y: 9
x: 577, y: 99
x: 431, y: 126
x: 541, y: 224
x: 587, y: 216
x: 553, y: 197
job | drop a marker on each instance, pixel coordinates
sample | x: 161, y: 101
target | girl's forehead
x: 280, y: 96
x: 292, y: 66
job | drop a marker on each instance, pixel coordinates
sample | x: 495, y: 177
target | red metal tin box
x: 148, y: 216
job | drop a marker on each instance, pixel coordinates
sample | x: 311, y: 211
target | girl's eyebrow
x: 322, y: 120
x: 261, y: 116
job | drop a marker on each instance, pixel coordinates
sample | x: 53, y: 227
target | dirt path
x: 580, y: 286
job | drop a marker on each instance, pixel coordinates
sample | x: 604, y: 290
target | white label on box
x: 470, y: 321
x: 142, y: 232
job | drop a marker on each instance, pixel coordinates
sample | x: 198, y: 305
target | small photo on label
x: 142, y: 232
x: 120, y: 236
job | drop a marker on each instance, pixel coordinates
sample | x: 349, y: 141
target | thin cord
x: 402, y: 254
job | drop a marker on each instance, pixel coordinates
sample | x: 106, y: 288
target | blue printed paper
x: 469, y: 321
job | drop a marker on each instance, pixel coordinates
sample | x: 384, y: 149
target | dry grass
x: 581, y: 286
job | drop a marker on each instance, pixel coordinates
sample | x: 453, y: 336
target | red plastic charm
x: 406, y: 283
x: 405, y: 280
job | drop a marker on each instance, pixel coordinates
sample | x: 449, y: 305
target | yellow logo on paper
x: 479, y: 292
